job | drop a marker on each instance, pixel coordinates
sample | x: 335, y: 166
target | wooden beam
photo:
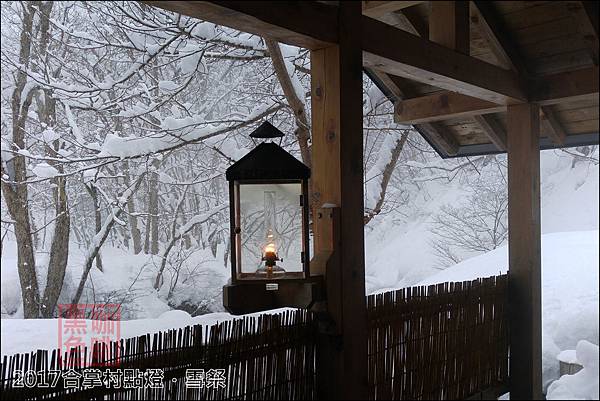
x: 449, y: 24
x: 400, y: 19
x: 442, y: 106
x: 524, y: 252
x: 307, y: 24
x: 450, y: 103
x: 401, y: 88
x: 386, y: 80
x: 314, y: 25
x: 568, y: 86
x: 375, y: 9
x: 493, y: 130
x: 410, y: 21
x: 337, y: 177
x: 427, y: 62
x: 555, y: 129
x: 416, y: 21
x: 507, y: 53
x: 545, y: 90
x: 585, y: 16
x: 497, y: 35
x: 440, y: 136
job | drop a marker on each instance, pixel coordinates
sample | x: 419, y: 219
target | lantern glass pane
x: 271, y: 230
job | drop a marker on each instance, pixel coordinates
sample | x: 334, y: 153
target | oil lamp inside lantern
x: 269, y: 254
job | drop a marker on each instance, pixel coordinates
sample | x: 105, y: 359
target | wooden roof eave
x: 413, y: 58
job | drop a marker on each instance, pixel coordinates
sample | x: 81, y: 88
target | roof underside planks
x: 541, y: 51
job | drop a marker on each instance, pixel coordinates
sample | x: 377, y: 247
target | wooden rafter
x: 567, y: 86
x: 507, y: 53
x: 441, y: 136
x: 493, y: 130
x: 314, y: 25
x: 492, y: 29
x: 416, y: 21
x: 447, y: 104
x: 556, y: 130
x: 449, y: 24
x: 585, y: 15
x: 307, y: 24
x: 545, y: 90
x: 435, y: 133
x: 408, y: 20
x: 375, y: 9
x: 401, y: 88
x: 424, y: 61
x: 438, y: 134
x: 450, y: 102
x: 391, y: 84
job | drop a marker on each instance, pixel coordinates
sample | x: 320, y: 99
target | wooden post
x: 337, y: 178
x: 524, y: 250
x: 449, y: 24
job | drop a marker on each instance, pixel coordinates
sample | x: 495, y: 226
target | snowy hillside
x: 398, y: 250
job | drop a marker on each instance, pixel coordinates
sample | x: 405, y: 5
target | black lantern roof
x: 266, y: 130
x: 268, y: 161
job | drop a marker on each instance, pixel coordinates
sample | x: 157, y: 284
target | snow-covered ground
x: 127, y: 279
x: 23, y: 335
x: 583, y: 385
x: 398, y: 253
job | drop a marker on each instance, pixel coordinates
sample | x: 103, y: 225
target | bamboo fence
x: 444, y: 341
x: 447, y: 341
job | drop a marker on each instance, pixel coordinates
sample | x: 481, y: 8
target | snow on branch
x: 193, y: 130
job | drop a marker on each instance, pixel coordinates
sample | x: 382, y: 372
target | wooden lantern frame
x: 268, y: 163
x: 235, y: 230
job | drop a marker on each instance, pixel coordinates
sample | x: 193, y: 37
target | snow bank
x: 23, y: 335
x: 583, y: 385
x: 568, y: 356
x: 569, y: 289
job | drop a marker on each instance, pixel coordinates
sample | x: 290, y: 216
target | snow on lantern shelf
x: 269, y: 229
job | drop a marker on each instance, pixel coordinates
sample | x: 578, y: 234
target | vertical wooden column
x: 449, y: 24
x: 524, y: 252
x: 337, y: 178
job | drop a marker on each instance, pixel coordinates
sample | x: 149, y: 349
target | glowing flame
x: 270, y: 248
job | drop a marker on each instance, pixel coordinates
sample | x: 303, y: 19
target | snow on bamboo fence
x: 269, y: 357
x: 446, y: 341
